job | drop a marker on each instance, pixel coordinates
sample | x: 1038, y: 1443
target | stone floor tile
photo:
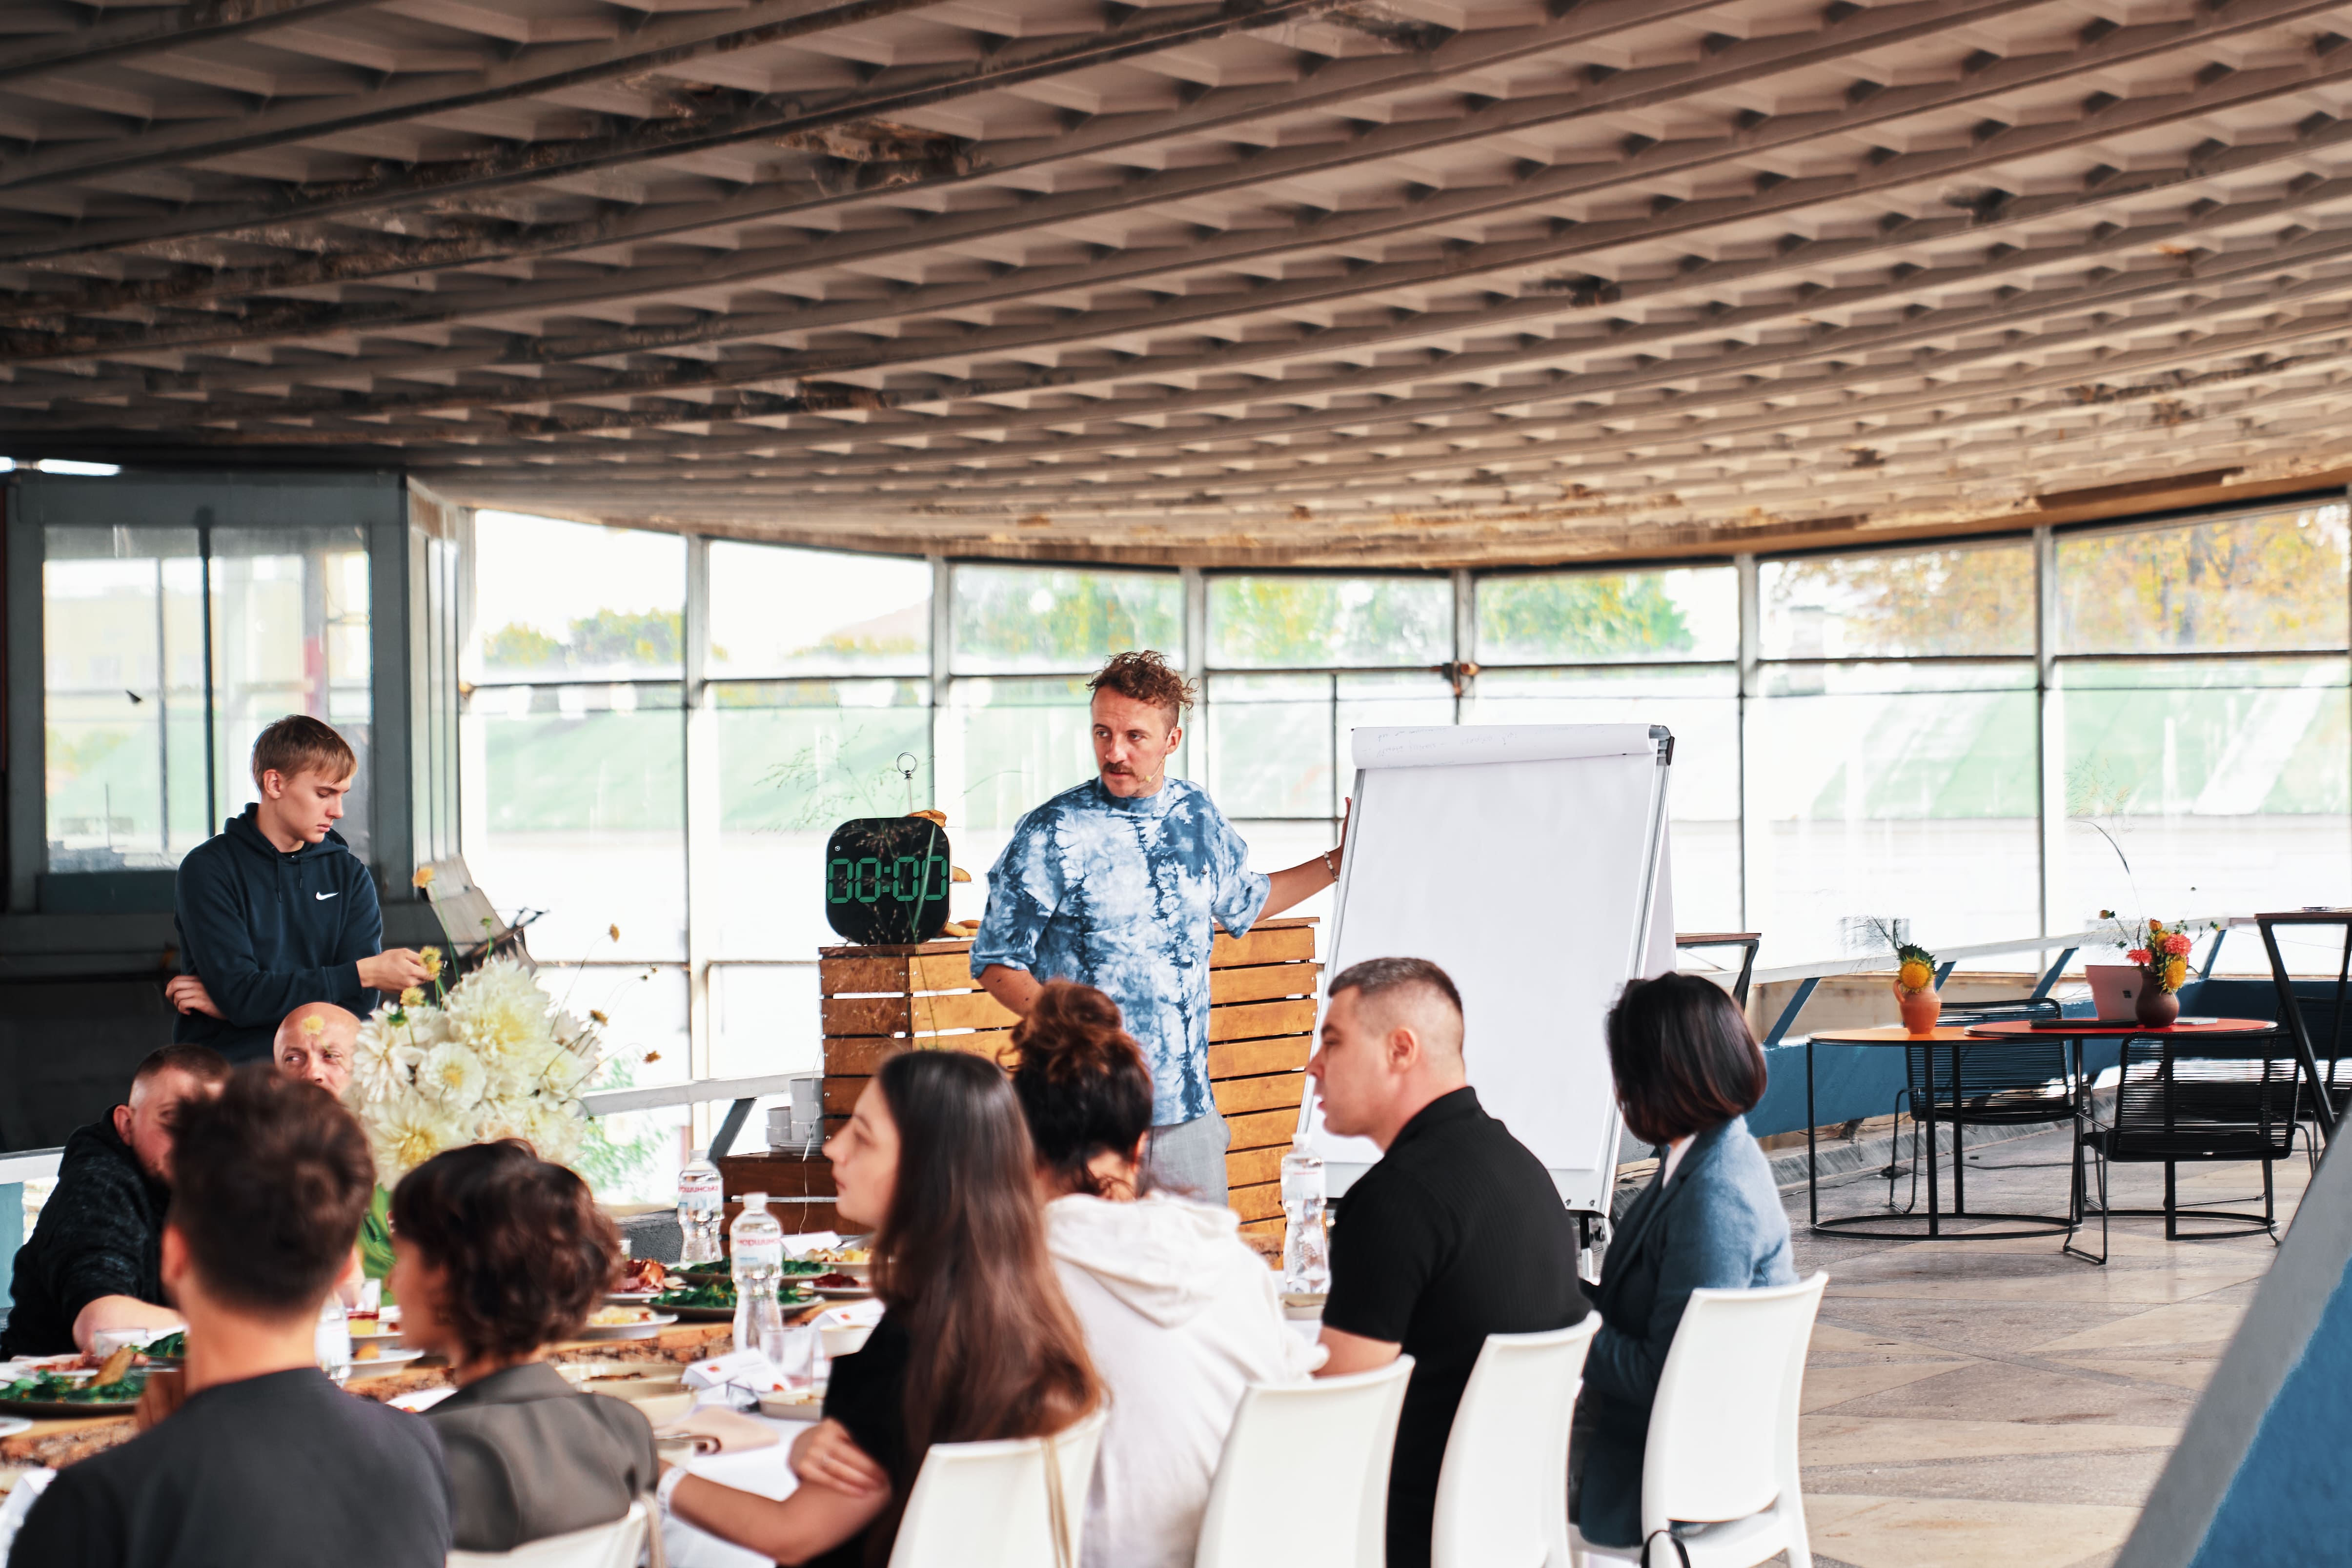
x: 1829, y: 1386
x: 2120, y: 1479
x: 1841, y: 1437
x: 2182, y: 1323
x: 1905, y: 1532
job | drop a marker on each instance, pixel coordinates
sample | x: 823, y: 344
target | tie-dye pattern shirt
x: 1124, y: 895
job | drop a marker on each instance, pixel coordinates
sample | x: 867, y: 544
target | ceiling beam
x: 1550, y: 184
x: 536, y: 70
x: 111, y: 39
x: 1335, y: 82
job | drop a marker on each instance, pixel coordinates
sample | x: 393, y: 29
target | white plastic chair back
x: 1502, y: 1496
x: 614, y: 1545
x: 1723, y: 1429
x: 986, y: 1505
x: 1303, y: 1479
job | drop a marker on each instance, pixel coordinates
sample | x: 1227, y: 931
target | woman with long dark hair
x: 1179, y: 1315
x: 1689, y: 1070
x: 976, y: 1341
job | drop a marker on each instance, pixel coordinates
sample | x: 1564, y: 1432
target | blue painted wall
x: 2290, y: 1504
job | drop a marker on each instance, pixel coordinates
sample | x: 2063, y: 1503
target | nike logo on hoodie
x: 322, y: 897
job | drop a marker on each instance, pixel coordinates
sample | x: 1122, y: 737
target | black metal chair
x: 2196, y: 1099
x: 1982, y: 1083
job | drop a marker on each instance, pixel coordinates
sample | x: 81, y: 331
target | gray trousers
x: 1188, y: 1158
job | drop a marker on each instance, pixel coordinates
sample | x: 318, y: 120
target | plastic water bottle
x: 757, y: 1242
x: 1305, y: 1243
x: 702, y: 1200
x: 333, y: 1339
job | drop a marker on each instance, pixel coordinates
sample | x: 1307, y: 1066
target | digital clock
x: 886, y: 880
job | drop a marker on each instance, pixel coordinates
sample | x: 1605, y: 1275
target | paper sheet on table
x: 714, y: 1429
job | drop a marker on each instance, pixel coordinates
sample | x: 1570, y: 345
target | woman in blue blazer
x: 1687, y: 1071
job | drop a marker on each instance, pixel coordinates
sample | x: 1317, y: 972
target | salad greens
x: 174, y: 1343
x: 48, y: 1388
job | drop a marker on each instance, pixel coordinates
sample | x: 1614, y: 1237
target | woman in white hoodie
x: 1179, y: 1315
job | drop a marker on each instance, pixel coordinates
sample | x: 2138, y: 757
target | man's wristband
x: 671, y: 1480
x: 1329, y: 865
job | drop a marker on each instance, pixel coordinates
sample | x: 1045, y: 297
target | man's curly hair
x: 1141, y: 675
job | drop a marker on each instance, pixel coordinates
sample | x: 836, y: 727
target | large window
x: 1901, y: 733
x: 165, y: 651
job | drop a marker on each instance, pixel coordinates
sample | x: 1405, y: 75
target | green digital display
x: 886, y: 879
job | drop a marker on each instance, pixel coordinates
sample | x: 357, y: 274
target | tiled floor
x: 1995, y: 1403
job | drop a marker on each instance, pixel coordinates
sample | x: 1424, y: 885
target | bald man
x: 315, y: 1043
x: 1457, y: 1233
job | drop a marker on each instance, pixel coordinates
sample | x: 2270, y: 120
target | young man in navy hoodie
x: 276, y: 910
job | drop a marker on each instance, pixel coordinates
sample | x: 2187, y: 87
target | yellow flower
x: 615, y: 932
x: 423, y: 880
x: 652, y: 1055
x: 2175, y: 973
x: 413, y: 997
x: 430, y: 957
x: 1914, y: 975
x: 314, y: 1024
x: 598, y: 1016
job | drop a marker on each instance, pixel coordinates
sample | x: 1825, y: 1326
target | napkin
x: 714, y: 1429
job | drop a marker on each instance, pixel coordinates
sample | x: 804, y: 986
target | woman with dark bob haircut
x: 1688, y: 1072
x: 497, y: 1253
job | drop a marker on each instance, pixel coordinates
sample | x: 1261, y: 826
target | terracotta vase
x: 2156, y: 1007
x: 1920, y: 1008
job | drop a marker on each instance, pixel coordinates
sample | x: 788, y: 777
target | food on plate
x: 837, y: 1282
x: 618, y: 1316
x: 171, y: 1345
x: 363, y: 1328
x: 794, y: 1267
x: 642, y: 1274
x: 366, y: 1353
x: 117, y: 1363
x: 841, y: 1254
x: 702, y: 1293
x: 54, y: 1388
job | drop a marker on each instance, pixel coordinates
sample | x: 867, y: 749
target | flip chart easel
x: 1530, y: 862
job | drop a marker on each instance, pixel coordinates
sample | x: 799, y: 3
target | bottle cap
x: 755, y: 1201
x: 699, y: 1156
x: 1301, y: 1140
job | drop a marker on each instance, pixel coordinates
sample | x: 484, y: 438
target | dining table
x: 2074, y: 1035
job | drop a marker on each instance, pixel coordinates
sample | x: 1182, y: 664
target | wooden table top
x: 2096, y: 1029
x: 1891, y: 1035
x: 65, y: 1439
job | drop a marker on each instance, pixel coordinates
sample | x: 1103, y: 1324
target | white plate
x: 645, y: 1331
x: 843, y: 1292
x: 777, y: 1408
x: 393, y: 1357
x: 631, y: 1298
x: 12, y: 1425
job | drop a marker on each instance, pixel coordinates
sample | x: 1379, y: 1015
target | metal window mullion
x: 2050, y: 741
x: 1751, y: 646
x: 701, y: 807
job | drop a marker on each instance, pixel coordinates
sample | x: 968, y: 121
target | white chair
x: 1502, y: 1496
x: 1723, y: 1433
x: 1303, y: 1479
x: 992, y: 1505
x: 614, y: 1545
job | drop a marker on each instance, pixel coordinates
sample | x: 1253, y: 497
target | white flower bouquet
x: 495, y: 1057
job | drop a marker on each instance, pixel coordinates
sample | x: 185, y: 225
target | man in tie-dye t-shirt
x: 1120, y: 883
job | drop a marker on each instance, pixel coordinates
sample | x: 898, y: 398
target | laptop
x: 2115, y: 991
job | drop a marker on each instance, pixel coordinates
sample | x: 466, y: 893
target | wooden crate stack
x: 878, y: 1001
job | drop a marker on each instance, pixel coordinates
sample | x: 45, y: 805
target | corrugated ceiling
x: 1264, y: 280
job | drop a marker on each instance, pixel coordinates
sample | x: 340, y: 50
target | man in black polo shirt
x: 1456, y: 1234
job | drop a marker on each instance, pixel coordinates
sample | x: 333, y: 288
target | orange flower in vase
x: 1916, y: 996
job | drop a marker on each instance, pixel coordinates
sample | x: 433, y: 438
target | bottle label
x: 701, y: 1193
x: 767, y: 1252
x: 1302, y: 1186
